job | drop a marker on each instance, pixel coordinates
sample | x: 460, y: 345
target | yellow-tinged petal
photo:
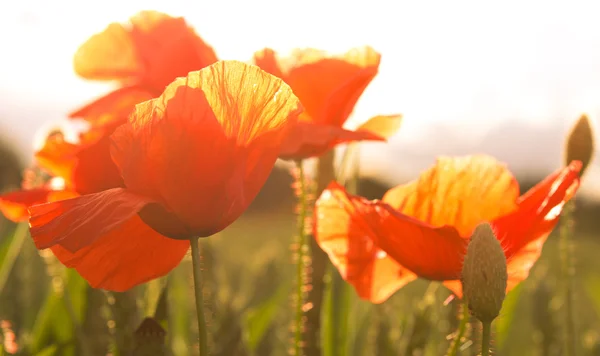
x: 382, y: 125
x: 459, y: 192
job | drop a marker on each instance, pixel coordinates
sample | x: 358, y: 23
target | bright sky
x: 457, y: 70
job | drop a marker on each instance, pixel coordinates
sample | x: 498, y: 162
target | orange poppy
x: 421, y: 229
x: 14, y: 205
x: 144, y: 55
x: 78, y: 168
x: 328, y: 87
x: 192, y: 160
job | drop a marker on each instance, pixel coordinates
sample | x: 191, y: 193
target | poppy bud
x: 484, y: 274
x: 580, y: 143
x: 149, y: 339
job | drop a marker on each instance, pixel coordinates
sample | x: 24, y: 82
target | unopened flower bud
x: 484, y: 274
x: 149, y: 339
x: 580, y: 143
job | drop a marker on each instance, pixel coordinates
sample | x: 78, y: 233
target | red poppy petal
x: 168, y: 47
x: 524, y: 232
x: 115, y: 107
x: 58, y: 157
x: 430, y: 252
x: 307, y: 140
x: 267, y: 61
x: 341, y: 233
x: 207, y: 145
x: 458, y: 191
x: 95, y: 171
x: 108, y: 55
x: 86, y: 166
x: 122, y: 258
x: 14, y: 205
x: 330, y: 87
x: 78, y: 222
x: 342, y: 101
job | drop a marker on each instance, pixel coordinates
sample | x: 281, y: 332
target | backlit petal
x: 524, y: 232
x: 168, y: 47
x: 115, y: 106
x: 124, y: 257
x: 383, y: 125
x: 78, y: 222
x: 458, y: 191
x: 433, y: 253
x: 207, y: 145
x: 108, y: 55
x: 86, y: 166
x: 152, y: 49
x: 330, y: 87
x: 267, y: 61
x: 341, y: 232
x: 14, y: 205
x: 57, y: 156
x: 430, y: 252
x: 307, y: 140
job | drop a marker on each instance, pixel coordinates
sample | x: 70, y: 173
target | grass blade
x: 12, y: 252
x: 257, y: 320
x: 335, y: 315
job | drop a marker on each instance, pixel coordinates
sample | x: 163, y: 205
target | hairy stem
x: 202, y: 329
x: 568, y: 271
x: 302, y: 253
x: 319, y: 262
x: 485, y: 337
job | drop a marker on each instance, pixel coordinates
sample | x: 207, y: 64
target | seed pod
x: 484, y: 274
x: 580, y: 143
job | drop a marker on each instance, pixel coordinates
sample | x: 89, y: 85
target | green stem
x: 485, y: 337
x: 79, y: 334
x: 202, y: 330
x: 566, y: 230
x: 302, y: 252
x: 21, y: 232
x: 460, y: 333
x: 342, y: 174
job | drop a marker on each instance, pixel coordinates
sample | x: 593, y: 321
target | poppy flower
x: 328, y: 87
x: 421, y: 229
x: 192, y: 160
x: 77, y: 168
x: 144, y: 55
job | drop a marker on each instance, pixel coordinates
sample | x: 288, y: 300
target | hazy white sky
x: 456, y: 70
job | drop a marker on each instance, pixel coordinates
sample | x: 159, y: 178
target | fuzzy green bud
x: 484, y: 274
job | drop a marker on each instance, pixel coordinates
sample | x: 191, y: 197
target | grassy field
x: 249, y: 276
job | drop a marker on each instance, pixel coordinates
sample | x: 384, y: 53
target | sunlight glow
x: 457, y: 67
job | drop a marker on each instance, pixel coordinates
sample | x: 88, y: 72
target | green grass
x: 248, y: 272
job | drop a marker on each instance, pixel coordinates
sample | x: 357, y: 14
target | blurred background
x: 508, y: 79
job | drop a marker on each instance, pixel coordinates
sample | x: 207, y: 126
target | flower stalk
x: 568, y: 271
x: 486, y: 332
x: 302, y: 260
x: 202, y: 329
x: 579, y: 146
